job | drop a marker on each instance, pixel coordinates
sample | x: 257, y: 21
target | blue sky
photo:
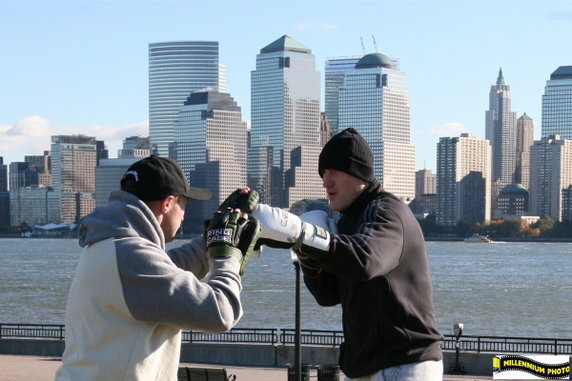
x: 82, y: 66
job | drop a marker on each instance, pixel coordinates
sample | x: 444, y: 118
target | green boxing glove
x: 231, y: 235
x: 244, y: 199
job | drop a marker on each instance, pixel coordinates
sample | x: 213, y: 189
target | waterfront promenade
x: 38, y: 368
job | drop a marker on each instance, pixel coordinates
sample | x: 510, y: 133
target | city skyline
x: 66, y: 73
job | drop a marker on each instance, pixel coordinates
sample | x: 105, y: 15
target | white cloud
x: 449, y: 129
x: 32, y: 136
x: 29, y: 136
x: 315, y: 25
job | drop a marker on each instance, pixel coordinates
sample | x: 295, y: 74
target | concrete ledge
x: 255, y: 355
x: 53, y: 348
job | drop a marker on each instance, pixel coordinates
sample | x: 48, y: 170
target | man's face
x: 342, y: 188
x: 173, y: 218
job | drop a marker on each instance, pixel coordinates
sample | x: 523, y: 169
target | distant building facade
x: 550, y: 175
x: 74, y: 159
x: 513, y: 200
x: 425, y: 182
x: 374, y: 100
x: 500, y: 130
x: 4, y: 194
x: 524, y: 140
x: 176, y: 69
x: 463, y: 180
x: 557, y: 104
x: 211, y: 147
x: 285, y: 114
x: 333, y: 82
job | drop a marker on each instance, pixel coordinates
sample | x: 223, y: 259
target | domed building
x: 512, y: 200
x: 374, y: 100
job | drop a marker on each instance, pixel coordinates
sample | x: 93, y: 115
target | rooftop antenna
x: 374, y: 43
x: 362, y: 46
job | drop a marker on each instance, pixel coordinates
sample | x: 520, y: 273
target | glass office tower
x: 175, y: 70
x: 375, y: 101
x: 333, y: 82
x: 285, y: 114
x: 557, y: 104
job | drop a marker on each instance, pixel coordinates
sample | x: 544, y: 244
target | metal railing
x: 235, y: 335
x: 270, y: 336
x: 498, y: 344
x: 313, y: 337
x: 32, y: 331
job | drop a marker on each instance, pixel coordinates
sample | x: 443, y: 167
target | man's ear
x: 167, y: 203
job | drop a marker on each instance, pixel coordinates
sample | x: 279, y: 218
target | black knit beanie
x: 348, y: 152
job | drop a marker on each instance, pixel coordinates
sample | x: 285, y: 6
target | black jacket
x: 378, y: 271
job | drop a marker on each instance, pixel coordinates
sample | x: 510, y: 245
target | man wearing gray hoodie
x: 130, y: 298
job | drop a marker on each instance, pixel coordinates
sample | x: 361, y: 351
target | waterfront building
x: 557, y: 104
x: 374, y: 100
x: 550, y: 175
x: 135, y: 146
x: 211, y: 147
x: 302, y: 175
x: 34, y: 206
x: 109, y: 172
x: 3, y: 176
x: 333, y: 81
x: 108, y: 175
x: 22, y: 175
x: 463, y: 180
x: 175, y: 70
x: 524, y: 140
x: 500, y: 130
x: 513, y: 200
x: 423, y: 205
x: 567, y: 204
x: 74, y: 159
x: 425, y: 182
x: 4, y: 194
x: 285, y: 114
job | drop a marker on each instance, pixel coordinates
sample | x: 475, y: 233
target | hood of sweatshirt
x: 124, y: 216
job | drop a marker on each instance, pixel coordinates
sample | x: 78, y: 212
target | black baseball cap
x: 155, y: 178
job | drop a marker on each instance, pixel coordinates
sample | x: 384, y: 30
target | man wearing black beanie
x: 374, y: 265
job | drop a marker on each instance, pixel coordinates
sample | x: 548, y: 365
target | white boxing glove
x: 282, y: 229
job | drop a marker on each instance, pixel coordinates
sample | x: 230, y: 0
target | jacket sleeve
x: 324, y: 289
x: 374, y: 250
x: 191, y: 256
x: 158, y: 291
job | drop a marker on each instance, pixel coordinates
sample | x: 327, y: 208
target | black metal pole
x: 298, y: 335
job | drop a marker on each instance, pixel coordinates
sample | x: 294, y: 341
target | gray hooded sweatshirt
x: 129, y: 298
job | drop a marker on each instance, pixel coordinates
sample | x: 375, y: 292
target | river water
x: 499, y: 289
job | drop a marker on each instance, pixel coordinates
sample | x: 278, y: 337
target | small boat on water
x: 478, y: 238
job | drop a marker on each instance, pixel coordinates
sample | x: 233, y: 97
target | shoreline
x: 427, y: 238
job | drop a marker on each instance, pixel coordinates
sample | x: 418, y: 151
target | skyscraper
x: 175, y: 70
x: 557, y: 104
x: 501, y: 132
x: 550, y: 175
x: 375, y: 101
x: 334, y: 81
x: 524, y: 140
x: 425, y: 182
x: 74, y: 159
x: 463, y: 180
x: 3, y: 176
x: 211, y: 146
x: 285, y: 114
x: 4, y: 195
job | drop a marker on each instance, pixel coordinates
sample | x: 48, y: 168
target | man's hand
x: 244, y: 199
x: 281, y: 229
x: 230, y: 233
